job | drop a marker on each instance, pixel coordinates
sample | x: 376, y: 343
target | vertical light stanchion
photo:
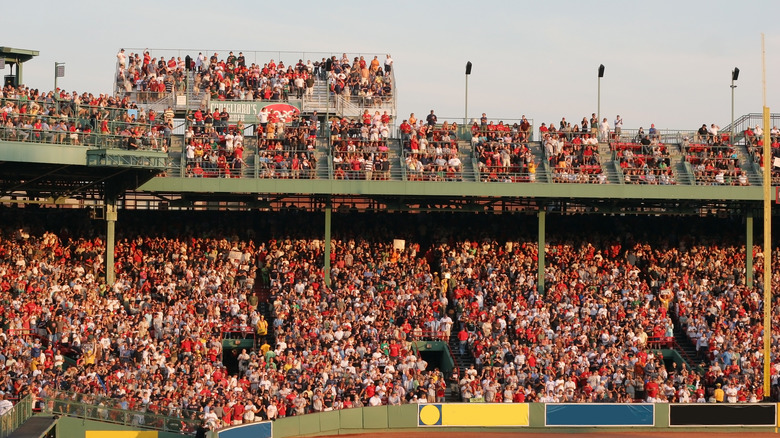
x: 734, y: 77
x: 767, y: 234
x: 59, y: 72
x: 466, y: 116
x: 598, y: 106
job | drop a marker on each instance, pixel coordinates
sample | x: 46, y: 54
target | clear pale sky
x: 667, y: 62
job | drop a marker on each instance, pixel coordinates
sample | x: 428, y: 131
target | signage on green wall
x: 247, y: 110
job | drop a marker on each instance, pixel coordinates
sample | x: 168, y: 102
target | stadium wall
x: 72, y: 427
x: 529, y: 417
x: 464, y: 417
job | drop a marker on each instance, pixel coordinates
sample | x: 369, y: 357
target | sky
x: 666, y: 62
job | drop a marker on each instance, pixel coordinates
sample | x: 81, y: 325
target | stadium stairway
x: 608, y: 165
x: 537, y: 151
x: 685, y: 347
x: 462, y: 363
x: 746, y: 163
x: 394, y: 156
x: 318, y: 100
x: 322, y: 155
x: 677, y: 163
x: 466, y: 155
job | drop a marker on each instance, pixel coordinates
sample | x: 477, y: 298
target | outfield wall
x: 503, y: 417
x: 451, y: 417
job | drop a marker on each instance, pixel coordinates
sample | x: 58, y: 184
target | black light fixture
x: 735, y: 74
x: 468, y: 68
x: 601, y: 71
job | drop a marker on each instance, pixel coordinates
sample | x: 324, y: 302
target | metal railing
x: 21, y: 412
x: 416, y: 170
x: 107, y: 410
x: 506, y: 174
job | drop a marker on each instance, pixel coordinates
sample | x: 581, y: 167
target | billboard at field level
x: 247, y: 110
x: 252, y: 430
x: 724, y: 414
x: 473, y: 414
x: 587, y: 415
x: 120, y: 434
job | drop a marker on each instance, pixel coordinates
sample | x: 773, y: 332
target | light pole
x: 326, y: 126
x: 59, y: 72
x: 598, y: 107
x: 468, y: 73
x: 734, y: 77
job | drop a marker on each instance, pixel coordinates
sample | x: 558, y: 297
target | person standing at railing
x: 5, y: 405
x: 652, y: 132
x: 121, y: 58
x: 432, y: 119
x: 618, y: 126
x: 604, y: 130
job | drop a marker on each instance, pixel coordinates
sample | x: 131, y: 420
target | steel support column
x: 541, y: 246
x: 326, y: 263
x: 749, y: 249
x: 110, y: 239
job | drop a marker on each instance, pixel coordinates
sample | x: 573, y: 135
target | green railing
x: 14, y: 418
x: 103, y: 409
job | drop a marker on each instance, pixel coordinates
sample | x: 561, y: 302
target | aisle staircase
x: 462, y: 363
x: 609, y: 165
x: 678, y: 165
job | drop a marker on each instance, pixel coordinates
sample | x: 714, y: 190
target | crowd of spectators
x: 361, y: 79
x: 755, y: 145
x: 215, y: 147
x: 573, y: 161
x: 60, y: 117
x: 152, y: 342
x: 715, y: 160
x: 430, y: 149
x: 234, y: 78
x: 502, y: 151
x: 644, y: 161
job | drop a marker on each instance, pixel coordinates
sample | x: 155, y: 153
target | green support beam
x: 461, y: 189
x: 326, y: 262
x: 110, y: 239
x: 749, y: 249
x: 540, y: 274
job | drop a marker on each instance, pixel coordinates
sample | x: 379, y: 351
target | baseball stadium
x: 257, y: 244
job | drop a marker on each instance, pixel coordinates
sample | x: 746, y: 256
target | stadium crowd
x: 60, y: 117
x: 234, y: 78
x: 572, y: 152
x: 153, y: 341
x: 502, y: 151
x: 645, y: 160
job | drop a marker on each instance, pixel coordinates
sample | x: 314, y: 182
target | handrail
x: 183, y: 423
x: 19, y: 413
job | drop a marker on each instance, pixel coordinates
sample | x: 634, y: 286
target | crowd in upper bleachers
x: 755, y: 145
x: 572, y: 152
x: 502, y: 150
x: 234, y: 78
x: 714, y: 158
x: 360, y: 78
x: 81, y: 119
x: 644, y: 159
x: 153, y: 341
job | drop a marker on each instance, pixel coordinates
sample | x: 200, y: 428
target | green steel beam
x: 110, y: 239
x: 326, y: 262
x: 453, y: 189
x: 749, y: 249
x: 15, y: 151
x: 541, y: 256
